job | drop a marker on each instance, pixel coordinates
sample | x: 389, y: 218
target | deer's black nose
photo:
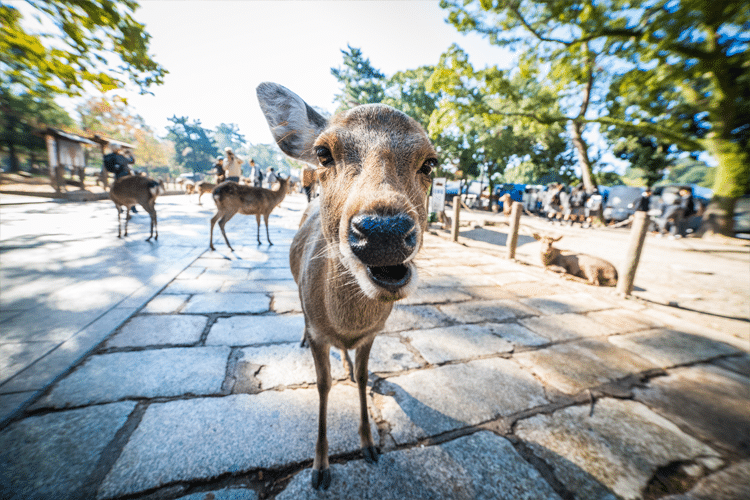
x: 380, y: 240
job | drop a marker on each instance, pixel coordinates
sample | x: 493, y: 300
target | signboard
x: 437, y: 200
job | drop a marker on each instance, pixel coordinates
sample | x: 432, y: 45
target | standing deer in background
x: 593, y: 269
x: 353, y: 255
x: 204, y: 187
x: 132, y: 189
x: 231, y: 197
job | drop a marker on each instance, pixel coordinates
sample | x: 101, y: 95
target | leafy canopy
x: 74, y: 43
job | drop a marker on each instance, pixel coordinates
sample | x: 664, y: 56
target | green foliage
x: 649, y: 158
x: 228, y: 136
x: 194, y: 148
x: 22, y: 117
x: 362, y: 83
x: 676, y: 70
x: 691, y: 171
x: 95, y: 42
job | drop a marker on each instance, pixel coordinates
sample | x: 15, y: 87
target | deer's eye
x: 428, y: 165
x: 324, y: 155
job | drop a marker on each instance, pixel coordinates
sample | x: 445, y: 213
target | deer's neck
x: 349, y: 309
x: 551, y: 256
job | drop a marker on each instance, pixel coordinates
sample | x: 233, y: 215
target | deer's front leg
x: 362, y: 356
x: 321, y: 474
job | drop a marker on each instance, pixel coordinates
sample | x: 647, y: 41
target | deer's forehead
x: 357, y: 132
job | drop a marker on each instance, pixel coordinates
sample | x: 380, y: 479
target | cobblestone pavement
x: 495, y: 380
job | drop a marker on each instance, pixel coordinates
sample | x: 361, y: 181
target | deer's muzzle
x: 383, y: 244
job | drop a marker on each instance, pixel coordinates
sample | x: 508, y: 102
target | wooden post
x: 515, y: 218
x: 637, y: 237
x: 456, y: 210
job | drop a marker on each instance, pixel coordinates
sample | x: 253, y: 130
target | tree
x: 649, y: 158
x: 95, y: 42
x: 113, y: 118
x: 228, y: 136
x: 194, y: 148
x: 659, y: 56
x: 362, y: 83
x: 21, y: 118
x: 483, y: 111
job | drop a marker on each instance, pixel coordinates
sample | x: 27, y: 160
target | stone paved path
x: 494, y: 381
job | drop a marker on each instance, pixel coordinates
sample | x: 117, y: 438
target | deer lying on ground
x: 231, y: 197
x: 132, y: 189
x: 596, y: 271
x: 353, y: 255
x: 203, y: 187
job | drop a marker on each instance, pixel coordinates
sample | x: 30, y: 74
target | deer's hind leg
x: 222, y: 222
x: 151, y: 209
x: 369, y: 452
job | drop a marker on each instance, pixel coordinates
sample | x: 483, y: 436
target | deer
x: 596, y: 271
x: 353, y: 254
x: 132, y: 189
x: 203, y: 187
x: 231, y: 197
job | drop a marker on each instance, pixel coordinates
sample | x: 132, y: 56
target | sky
x: 217, y: 52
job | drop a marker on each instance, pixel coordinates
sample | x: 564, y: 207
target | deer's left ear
x: 294, y: 124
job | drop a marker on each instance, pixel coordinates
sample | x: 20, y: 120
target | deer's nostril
x: 379, y: 240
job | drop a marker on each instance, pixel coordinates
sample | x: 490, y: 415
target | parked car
x: 620, y: 203
x: 515, y: 190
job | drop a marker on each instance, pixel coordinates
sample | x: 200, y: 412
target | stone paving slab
x: 412, y: 317
x: 284, y: 302
x: 567, y: 303
x: 143, y: 374
x: 435, y: 295
x: 255, y: 330
x: 432, y: 401
x: 440, y: 345
x: 165, y: 330
x: 665, y: 347
x: 259, y: 286
x: 481, y: 466
x: 288, y: 364
x: 611, y: 453
x: 478, y: 311
x: 390, y: 354
x: 230, y: 434
x: 567, y: 326
x: 51, y: 456
x: 624, y: 321
x: 732, y: 483
x: 713, y: 403
x: 165, y: 304
x: 576, y: 366
x: 207, y: 303
x: 190, y: 287
x: 224, y: 494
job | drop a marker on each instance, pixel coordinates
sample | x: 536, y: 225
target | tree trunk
x: 732, y: 181
x: 576, y: 130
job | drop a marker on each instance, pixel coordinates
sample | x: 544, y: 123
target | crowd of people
x: 563, y: 204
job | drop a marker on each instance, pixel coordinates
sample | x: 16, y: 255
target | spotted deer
x: 353, y: 255
x: 130, y: 190
x: 232, y: 197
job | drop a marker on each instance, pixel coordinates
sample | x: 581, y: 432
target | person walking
x: 256, y: 173
x: 232, y: 165
x: 271, y: 177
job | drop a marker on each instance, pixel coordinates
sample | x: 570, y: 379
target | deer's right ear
x: 294, y: 124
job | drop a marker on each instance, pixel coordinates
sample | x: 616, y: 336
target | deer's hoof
x: 321, y: 479
x: 371, y: 455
